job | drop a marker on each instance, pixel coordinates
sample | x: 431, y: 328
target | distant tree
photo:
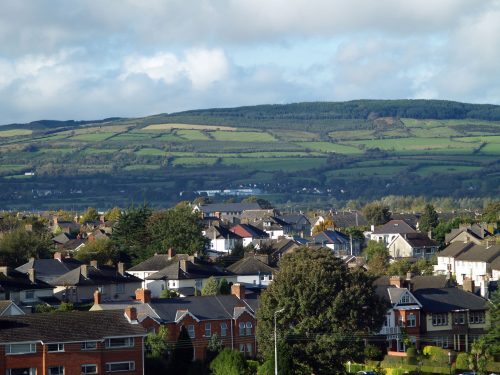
x: 90, y: 214
x: 211, y: 287
x: 399, y: 267
x: 376, y: 213
x: 202, y: 200
x: 224, y: 287
x: 157, y: 350
x: 263, y: 203
x: 376, y: 255
x: 179, y: 228
x: 491, y: 213
x: 238, y: 251
x: 328, y: 223
x: 183, y: 352
x: 65, y: 215
x: 214, y: 347
x: 113, y: 214
x: 19, y: 245
x: 429, y: 219
x: 100, y: 249
x: 168, y: 293
x: 493, y: 335
x: 228, y: 362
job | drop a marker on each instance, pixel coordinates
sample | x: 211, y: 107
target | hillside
x: 297, y: 152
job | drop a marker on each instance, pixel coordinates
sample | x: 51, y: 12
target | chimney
x: 396, y: 281
x: 469, y: 285
x: 183, y: 263
x: 97, y: 297
x: 31, y: 274
x: 372, y: 227
x: 121, y: 268
x: 409, y: 275
x: 84, y: 270
x: 171, y: 253
x: 143, y: 295
x: 131, y: 314
x: 429, y: 234
x: 93, y: 263
x: 58, y: 256
x: 238, y: 290
x: 5, y: 270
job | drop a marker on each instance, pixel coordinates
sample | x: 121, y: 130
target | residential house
x: 340, y: 243
x: 273, y: 226
x: 80, y: 342
x: 452, y: 318
x: 277, y: 248
x: 26, y: 290
x: 68, y: 227
x: 412, y: 245
x: 9, y: 308
x: 252, y: 272
x: 389, y: 231
x: 495, y: 269
x: 475, y: 264
x: 79, y: 284
x: 248, y: 233
x: 446, y: 257
x: 346, y: 219
x: 222, y: 240
x: 231, y: 317
x: 476, y: 233
x: 50, y: 269
x: 230, y: 212
x: 299, y: 223
x: 410, y: 218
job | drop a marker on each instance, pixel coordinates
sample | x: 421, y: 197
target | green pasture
x: 384, y: 170
x: 141, y: 167
x: 251, y: 136
x: 414, y: 144
x: 131, y: 137
x: 491, y: 148
x: 192, y: 135
x: 12, y: 167
x: 330, y: 147
x: 193, y: 161
x: 15, y: 133
x: 446, y: 169
x: 92, y: 137
x: 294, y: 135
x: 162, y: 127
x: 352, y: 134
x: 17, y: 177
x: 151, y: 152
x: 57, y: 150
x: 480, y: 139
x: 169, y: 137
x: 276, y: 164
x: 437, y: 132
x: 92, y: 150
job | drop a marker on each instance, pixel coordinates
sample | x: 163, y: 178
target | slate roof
x: 197, y: 270
x: 95, y: 276
x: 73, y: 244
x: 440, y: 300
x: 247, y: 230
x: 157, y: 262
x: 17, y: 281
x: 47, y: 269
x: 62, y: 238
x: 410, y: 219
x: 393, y: 227
x: 228, y: 207
x: 220, y: 232
x: 424, y: 282
x: 331, y: 237
x: 495, y: 265
x: 419, y: 240
x: 250, y: 266
x: 294, y: 219
x: 4, y: 305
x: 480, y: 253
x: 55, y: 327
x: 454, y: 249
x: 348, y: 219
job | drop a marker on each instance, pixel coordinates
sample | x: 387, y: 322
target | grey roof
x: 410, y: 219
x: 62, y: 238
x: 4, y: 305
x: 250, y: 266
x: 220, y: 232
x: 395, y: 294
x: 47, y: 269
x: 495, y: 265
x: 196, y: 270
x: 228, y: 207
x: 419, y: 240
x: 393, y: 227
x: 67, y: 326
x: 348, y: 219
x: 480, y: 253
x: 95, y: 276
x: 331, y: 237
x: 294, y: 218
x: 454, y: 249
x: 423, y: 282
x: 17, y: 281
x: 157, y: 262
x: 73, y: 244
x: 440, y: 300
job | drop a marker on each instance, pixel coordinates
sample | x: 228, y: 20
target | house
x: 495, y: 269
x: 9, y: 308
x: 186, y: 275
x: 274, y: 227
x: 475, y: 264
x: 252, y: 272
x: 79, y: 284
x: 446, y: 257
x: 80, y: 342
x: 339, y: 242
x: 299, y: 223
x: 452, y: 318
x: 412, y: 245
x: 346, y: 219
x: 68, y: 227
x: 26, y: 290
x: 476, y: 233
x: 248, y: 233
x: 389, y: 231
x: 404, y: 314
x: 230, y: 212
x: 410, y: 218
x: 222, y: 240
x: 231, y: 317
x: 277, y: 248
x: 50, y: 269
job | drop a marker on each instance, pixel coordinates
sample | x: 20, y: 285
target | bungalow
x: 339, y: 242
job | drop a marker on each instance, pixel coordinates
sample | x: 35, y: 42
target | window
x: 56, y: 370
x: 55, y: 347
x: 459, y: 318
x: 120, y: 366
x: 476, y: 317
x: 89, y: 369
x: 120, y: 288
x: 190, y: 329
x: 223, y: 329
x: 208, y: 329
x: 440, y: 319
x: 249, y: 328
x: 241, y: 327
x: 22, y: 371
x: 250, y: 349
x: 405, y: 299
x: 20, y: 348
x: 121, y: 342
x: 246, y: 349
x: 29, y: 294
x: 89, y: 345
x: 411, y: 320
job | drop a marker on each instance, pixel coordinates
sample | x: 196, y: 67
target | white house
x: 222, y: 240
x: 412, y: 245
x: 252, y: 272
x: 389, y: 231
x: 446, y: 258
x: 475, y: 264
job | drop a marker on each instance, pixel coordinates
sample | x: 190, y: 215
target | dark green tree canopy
x: 326, y: 311
x: 376, y: 213
x: 429, y: 219
x: 19, y: 245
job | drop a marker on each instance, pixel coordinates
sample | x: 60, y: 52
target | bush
x: 253, y: 366
x: 373, y: 352
x: 228, y: 362
x: 411, y: 356
x: 461, y: 362
x: 267, y: 368
x: 436, y: 354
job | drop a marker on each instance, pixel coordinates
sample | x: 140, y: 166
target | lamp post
x: 276, y: 342
x: 449, y: 361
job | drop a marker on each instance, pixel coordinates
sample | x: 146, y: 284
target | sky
x: 94, y: 59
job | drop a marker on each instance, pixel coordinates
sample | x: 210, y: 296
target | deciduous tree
x: 429, y: 219
x: 376, y: 213
x: 211, y: 287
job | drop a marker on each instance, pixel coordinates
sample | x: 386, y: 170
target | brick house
x: 79, y: 342
x: 231, y: 317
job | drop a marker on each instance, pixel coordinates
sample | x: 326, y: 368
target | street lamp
x: 275, y: 342
x: 449, y: 361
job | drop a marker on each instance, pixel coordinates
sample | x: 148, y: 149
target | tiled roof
x: 247, y: 230
x: 393, y: 227
x: 157, y: 262
x: 331, y: 237
x: 197, y: 270
x: 419, y: 240
x: 480, y: 253
x: 95, y: 276
x: 67, y: 326
x: 454, y: 249
x: 50, y: 268
x: 17, y: 281
x: 423, y: 282
x: 348, y: 219
x: 440, y: 300
x: 250, y: 266
x: 220, y: 232
x: 294, y: 218
x: 495, y: 265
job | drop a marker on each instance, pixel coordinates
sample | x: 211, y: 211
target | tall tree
x: 328, y: 223
x: 324, y: 311
x: 211, y: 287
x: 493, y: 335
x: 18, y: 245
x: 376, y: 213
x: 179, y: 228
x: 376, y: 255
x: 113, y: 214
x: 263, y: 203
x: 228, y: 362
x: 429, y: 219
x: 90, y: 214
x: 491, y: 213
x: 183, y: 352
x: 101, y: 249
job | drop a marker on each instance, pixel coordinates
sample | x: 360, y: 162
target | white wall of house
x: 475, y: 270
x: 495, y: 274
x: 445, y: 265
x: 275, y: 234
x: 254, y: 280
x: 222, y: 245
x: 28, y: 297
x: 247, y: 241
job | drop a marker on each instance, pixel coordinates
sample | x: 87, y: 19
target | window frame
x: 241, y: 329
x: 59, y: 347
x: 223, y: 329
x: 411, y: 320
x: 84, y: 344
x: 86, y: 365
x: 208, y: 328
x: 59, y: 372
x: 108, y: 365
x: 8, y: 348
x: 191, y: 331
x: 248, y: 328
x: 130, y: 342
x: 32, y: 370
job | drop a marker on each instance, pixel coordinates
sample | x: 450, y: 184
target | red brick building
x: 71, y: 343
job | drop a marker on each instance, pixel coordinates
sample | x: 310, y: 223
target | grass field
x: 440, y: 169
x: 351, y: 134
x: 92, y: 137
x: 409, y: 144
x: 130, y: 137
x: 92, y: 150
x: 193, y: 161
x: 330, y: 147
x: 151, y: 152
x: 161, y: 127
x: 250, y: 136
x: 276, y: 164
x: 140, y: 167
x: 14, y: 133
x: 192, y: 135
x: 11, y: 167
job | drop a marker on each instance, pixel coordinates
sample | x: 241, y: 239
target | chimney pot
x: 84, y: 270
x: 97, y: 297
x: 183, y: 263
x: 171, y: 253
x: 238, y: 290
x: 396, y: 281
x: 31, y: 274
x: 468, y: 285
x: 143, y: 295
x: 131, y: 313
x: 121, y: 268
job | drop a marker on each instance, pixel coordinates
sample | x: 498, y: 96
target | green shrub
x: 411, y: 356
x: 493, y: 367
x: 228, y: 362
x: 436, y: 354
x: 253, y: 366
x: 461, y: 362
x: 267, y: 368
